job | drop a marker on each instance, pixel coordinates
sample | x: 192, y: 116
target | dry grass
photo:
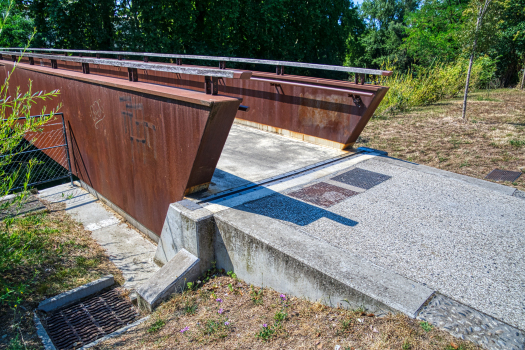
x: 70, y: 257
x: 493, y: 136
x: 304, y: 325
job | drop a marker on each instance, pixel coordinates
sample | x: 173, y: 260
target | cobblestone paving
x: 469, y: 324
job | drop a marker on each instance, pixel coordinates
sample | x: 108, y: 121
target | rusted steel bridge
x: 144, y: 134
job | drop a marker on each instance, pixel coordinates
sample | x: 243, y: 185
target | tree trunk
x: 523, y: 76
x: 482, y: 11
x: 464, y: 115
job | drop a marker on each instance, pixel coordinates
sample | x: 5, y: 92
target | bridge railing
x: 222, y: 60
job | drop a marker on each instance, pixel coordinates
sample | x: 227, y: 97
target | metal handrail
x: 210, y: 72
x: 222, y: 59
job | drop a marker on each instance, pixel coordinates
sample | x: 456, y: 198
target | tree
x: 479, y: 35
x: 510, y: 44
x: 385, y: 22
x: 16, y: 28
x: 433, y: 31
x: 15, y: 122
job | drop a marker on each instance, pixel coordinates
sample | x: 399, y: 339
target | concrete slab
x: 126, y: 247
x: 464, y: 239
x: 251, y: 155
x: 171, y: 278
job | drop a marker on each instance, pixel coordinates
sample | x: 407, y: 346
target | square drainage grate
x: 503, y: 175
x: 361, y: 178
x: 85, y: 322
x: 323, y: 194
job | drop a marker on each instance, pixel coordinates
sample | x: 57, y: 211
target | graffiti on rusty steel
x: 141, y: 133
x: 97, y: 113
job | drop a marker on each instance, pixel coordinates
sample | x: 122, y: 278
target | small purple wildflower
x: 185, y: 329
x: 265, y: 325
x: 219, y: 300
x: 226, y: 323
x: 283, y: 297
x: 220, y: 311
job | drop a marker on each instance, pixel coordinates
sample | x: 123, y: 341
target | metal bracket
x: 133, y: 74
x: 31, y: 61
x: 146, y: 58
x: 85, y: 68
x: 13, y: 57
x: 119, y: 57
x: 54, y: 64
x: 98, y: 55
x: 222, y: 65
x: 362, y: 76
x: 279, y: 70
x: 357, y: 100
x: 178, y: 61
x: 211, y: 85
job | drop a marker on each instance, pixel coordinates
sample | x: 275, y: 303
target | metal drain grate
x: 361, y: 178
x: 85, y: 322
x: 503, y: 175
x: 323, y: 194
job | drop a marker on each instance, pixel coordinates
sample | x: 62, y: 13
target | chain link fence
x: 48, y: 149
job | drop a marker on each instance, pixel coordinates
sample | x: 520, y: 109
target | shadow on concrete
x: 274, y: 205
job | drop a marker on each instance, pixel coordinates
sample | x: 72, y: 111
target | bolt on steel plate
x: 323, y: 194
x: 361, y: 178
x: 503, y: 175
x: 82, y: 323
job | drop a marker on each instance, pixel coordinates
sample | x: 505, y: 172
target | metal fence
x: 48, y: 149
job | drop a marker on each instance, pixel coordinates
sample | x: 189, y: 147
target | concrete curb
x: 76, y: 294
x: 171, y: 278
x: 42, y: 334
x: 115, y: 333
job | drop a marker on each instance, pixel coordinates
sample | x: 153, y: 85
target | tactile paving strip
x: 323, y: 194
x: 361, y: 178
x: 503, y: 175
x: 85, y: 322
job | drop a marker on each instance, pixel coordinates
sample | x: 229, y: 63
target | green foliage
x: 427, y: 327
x: 517, y: 143
x: 156, y: 326
x: 433, y: 31
x: 16, y: 28
x: 425, y: 85
x: 266, y: 332
x: 280, y: 316
x: 257, y: 295
x: 384, y: 33
x: 190, y: 307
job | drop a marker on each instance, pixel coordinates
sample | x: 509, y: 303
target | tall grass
x: 422, y: 86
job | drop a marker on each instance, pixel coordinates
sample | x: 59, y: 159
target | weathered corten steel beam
x: 142, y: 146
x: 323, y: 111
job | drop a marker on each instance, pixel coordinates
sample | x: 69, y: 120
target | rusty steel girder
x: 142, y: 146
x: 322, y: 111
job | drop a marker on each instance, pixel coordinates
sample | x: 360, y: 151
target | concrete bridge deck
x: 365, y: 228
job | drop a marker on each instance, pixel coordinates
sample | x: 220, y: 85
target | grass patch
x: 437, y: 136
x: 276, y: 321
x: 41, y: 255
x: 517, y: 143
x: 156, y: 326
